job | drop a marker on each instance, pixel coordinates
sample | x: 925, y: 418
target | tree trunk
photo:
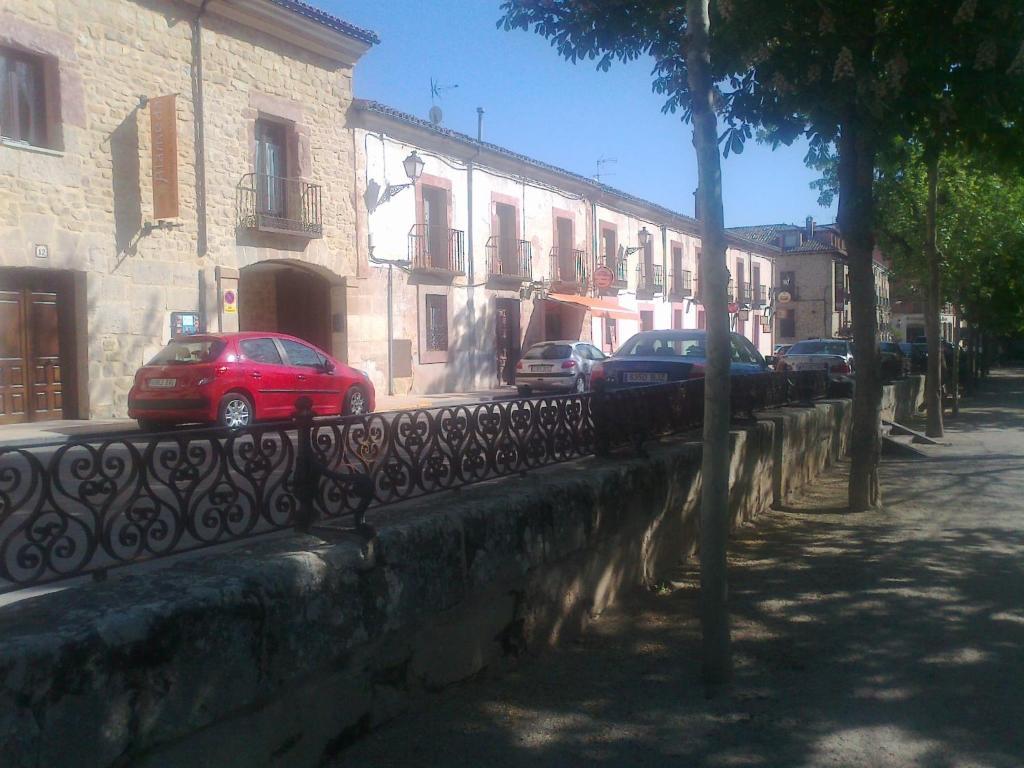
x: 714, y: 508
x: 856, y: 174
x: 933, y: 381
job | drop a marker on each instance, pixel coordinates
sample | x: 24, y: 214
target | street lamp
x: 413, y: 165
x: 644, y: 238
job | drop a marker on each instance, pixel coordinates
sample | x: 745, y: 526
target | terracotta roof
x: 368, y: 105
x: 327, y: 20
x: 762, y: 233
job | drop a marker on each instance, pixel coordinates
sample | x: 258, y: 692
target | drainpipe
x: 594, y: 242
x: 474, y: 344
x: 664, y: 267
x: 200, y: 136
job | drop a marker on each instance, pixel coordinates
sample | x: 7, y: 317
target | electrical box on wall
x: 184, y: 324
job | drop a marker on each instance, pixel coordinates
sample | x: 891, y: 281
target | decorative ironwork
x: 650, y: 278
x: 510, y: 258
x: 761, y: 296
x: 274, y: 204
x: 434, y: 248
x: 88, y: 505
x: 745, y: 293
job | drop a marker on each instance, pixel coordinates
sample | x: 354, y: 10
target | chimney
x: 479, y: 123
x: 809, y: 228
x: 697, y: 213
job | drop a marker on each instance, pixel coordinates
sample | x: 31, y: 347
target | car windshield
x: 668, y: 345
x: 548, y: 352
x: 818, y: 348
x: 187, y: 351
x: 889, y: 346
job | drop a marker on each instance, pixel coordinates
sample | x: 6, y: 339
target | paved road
x: 892, y: 638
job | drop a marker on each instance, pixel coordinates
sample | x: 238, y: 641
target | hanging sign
x: 785, y: 297
x: 603, y: 278
x: 734, y: 308
x: 163, y: 128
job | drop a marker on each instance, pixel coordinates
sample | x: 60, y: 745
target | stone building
x: 498, y: 251
x: 812, y: 297
x: 167, y: 166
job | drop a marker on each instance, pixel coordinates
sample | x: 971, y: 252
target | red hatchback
x: 234, y: 379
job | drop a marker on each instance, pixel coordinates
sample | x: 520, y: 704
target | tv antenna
x: 601, y: 162
x: 437, y: 90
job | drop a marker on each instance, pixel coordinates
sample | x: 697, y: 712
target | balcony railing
x: 745, y: 293
x: 681, y: 284
x: 568, y: 266
x: 434, y: 248
x: 761, y: 296
x: 274, y: 204
x: 510, y: 258
x: 730, y: 290
x: 650, y: 278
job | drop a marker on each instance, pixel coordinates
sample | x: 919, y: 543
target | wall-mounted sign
x: 733, y: 308
x: 603, y: 278
x: 184, y: 323
x: 42, y: 251
x: 230, y: 302
x: 163, y: 128
x: 785, y: 297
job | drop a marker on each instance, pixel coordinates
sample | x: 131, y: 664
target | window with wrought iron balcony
x: 568, y: 268
x: 271, y: 200
x: 509, y: 259
x: 761, y: 296
x: 745, y: 293
x: 681, y: 284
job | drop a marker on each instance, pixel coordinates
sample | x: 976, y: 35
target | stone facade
x: 89, y: 199
x: 480, y: 184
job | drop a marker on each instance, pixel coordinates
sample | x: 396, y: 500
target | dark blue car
x: 658, y: 357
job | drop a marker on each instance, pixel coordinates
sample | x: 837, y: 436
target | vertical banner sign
x: 164, y: 142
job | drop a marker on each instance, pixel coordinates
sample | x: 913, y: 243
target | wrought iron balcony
x: 509, y: 259
x: 569, y: 267
x: 745, y: 293
x: 730, y: 291
x: 274, y: 204
x: 761, y: 296
x: 435, y: 248
x: 650, y: 278
x: 681, y: 284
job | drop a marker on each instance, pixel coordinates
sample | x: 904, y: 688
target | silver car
x: 562, y: 366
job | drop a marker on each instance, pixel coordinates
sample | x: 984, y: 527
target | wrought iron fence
x: 568, y: 266
x: 510, y: 258
x: 92, y: 504
x: 437, y: 248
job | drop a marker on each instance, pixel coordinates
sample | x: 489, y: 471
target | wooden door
x: 30, y: 366
x: 506, y: 341
x: 13, y: 358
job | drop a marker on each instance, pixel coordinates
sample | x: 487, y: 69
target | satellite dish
x: 435, y: 115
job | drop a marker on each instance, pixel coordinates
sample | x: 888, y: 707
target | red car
x: 234, y: 379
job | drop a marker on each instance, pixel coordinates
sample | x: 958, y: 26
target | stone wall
x: 279, y: 652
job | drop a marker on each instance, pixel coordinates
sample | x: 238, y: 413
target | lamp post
x: 413, y: 165
x: 644, y: 238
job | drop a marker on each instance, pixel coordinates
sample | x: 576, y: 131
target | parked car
x: 777, y: 354
x: 656, y: 357
x: 833, y: 355
x: 557, y: 366
x: 895, y: 364
x: 234, y: 379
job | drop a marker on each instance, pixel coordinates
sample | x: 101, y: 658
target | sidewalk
x: 402, y: 402
x: 891, y: 638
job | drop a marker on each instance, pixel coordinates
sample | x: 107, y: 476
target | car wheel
x: 235, y: 411
x: 356, y: 403
x: 523, y: 391
x: 580, y: 386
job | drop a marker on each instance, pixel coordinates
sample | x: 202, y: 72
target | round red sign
x: 603, y: 278
x: 734, y: 308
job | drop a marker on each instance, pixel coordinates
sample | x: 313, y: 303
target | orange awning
x: 599, y: 307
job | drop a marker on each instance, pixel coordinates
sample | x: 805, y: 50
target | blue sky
x: 569, y: 115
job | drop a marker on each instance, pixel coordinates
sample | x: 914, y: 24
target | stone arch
x: 288, y: 296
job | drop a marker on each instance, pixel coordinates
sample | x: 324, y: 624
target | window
x: 787, y: 323
x: 300, y: 355
x: 23, y: 98
x: 787, y: 281
x: 261, y: 351
x: 791, y: 240
x: 701, y: 322
x: 186, y: 351
x: 646, y: 320
x: 677, y: 318
x: 668, y: 344
x: 608, y: 246
x: 743, y: 351
x: 548, y: 352
x: 611, y: 334
x: 271, y: 167
x: 436, y: 322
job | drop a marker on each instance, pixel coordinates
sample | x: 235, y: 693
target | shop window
x: 28, y: 99
x: 787, y: 323
x: 611, y: 334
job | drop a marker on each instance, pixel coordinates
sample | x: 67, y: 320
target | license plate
x: 645, y: 378
x: 540, y: 368
x: 162, y: 383
x: 809, y: 366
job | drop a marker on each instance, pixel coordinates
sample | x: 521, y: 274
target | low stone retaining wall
x: 902, y: 399
x: 281, y: 652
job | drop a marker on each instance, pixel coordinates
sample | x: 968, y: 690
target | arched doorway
x: 287, y: 298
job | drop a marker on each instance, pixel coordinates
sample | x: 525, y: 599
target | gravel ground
x: 891, y: 638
